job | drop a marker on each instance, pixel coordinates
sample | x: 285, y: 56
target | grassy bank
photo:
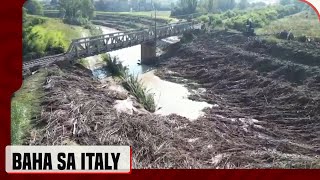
x: 165, y: 15
x: 25, y: 106
x: 131, y: 83
x: 69, y: 32
x: 236, y: 19
x: 41, y: 35
x: 46, y: 36
x: 298, y: 23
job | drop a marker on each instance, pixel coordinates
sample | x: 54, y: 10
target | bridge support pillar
x: 148, y: 52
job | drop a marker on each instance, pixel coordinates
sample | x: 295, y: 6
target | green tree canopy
x: 54, y: 2
x: 243, y: 4
x: 218, y: 5
x: 77, y: 11
x: 185, y: 7
x: 285, y: 2
x: 33, y: 7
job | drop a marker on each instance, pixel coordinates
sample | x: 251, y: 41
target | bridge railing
x: 127, y: 32
x: 117, y: 34
x: 84, y: 47
x: 124, y: 39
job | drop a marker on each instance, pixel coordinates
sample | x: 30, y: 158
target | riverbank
x: 26, y: 102
x: 264, y: 113
x: 26, y: 106
x: 269, y: 95
x: 131, y: 21
x: 125, y: 20
x: 155, y: 94
x: 257, y: 121
x: 81, y: 111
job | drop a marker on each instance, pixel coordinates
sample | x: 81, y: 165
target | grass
x: 165, y: 15
x: 56, y: 25
x: 114, y: 66
x: 25, y: 105
x: 298, y: 23
x: 83, y: 62
x: 137, y: 88
x: 131, y: 83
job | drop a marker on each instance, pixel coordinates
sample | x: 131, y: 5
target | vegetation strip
x: 25, y: 107
x: 131, y: 83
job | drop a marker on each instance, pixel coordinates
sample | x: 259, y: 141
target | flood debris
x: 261, y: 120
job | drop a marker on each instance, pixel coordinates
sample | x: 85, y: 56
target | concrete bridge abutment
x: 148, y: 52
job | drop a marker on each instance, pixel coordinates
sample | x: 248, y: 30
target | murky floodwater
x: 128, y: 56
x: 171, y: 98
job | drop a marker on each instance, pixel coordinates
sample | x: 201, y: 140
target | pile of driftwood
x: 77, y: 110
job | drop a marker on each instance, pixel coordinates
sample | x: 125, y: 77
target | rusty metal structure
x: 95, y: 45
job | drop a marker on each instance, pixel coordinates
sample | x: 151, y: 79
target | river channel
x: 170, y: 98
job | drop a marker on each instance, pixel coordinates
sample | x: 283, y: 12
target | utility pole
x: 155, y: 21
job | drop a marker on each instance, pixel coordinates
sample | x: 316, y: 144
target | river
x: 170, y: 98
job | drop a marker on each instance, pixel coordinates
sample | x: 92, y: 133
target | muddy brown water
x: 170, y: 98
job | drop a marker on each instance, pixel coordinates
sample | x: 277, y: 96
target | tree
x: 210, y: 5
x: 217, y: 5
x: 54, y: 2
x: 285, y: 2
x: 134, y: 4
x: 33, y: 7
x: 87, y: 8
x: 185, y: 7
x: 301, y: 5
x: 226, y: 4
x: 243, y: 4
x: 192, y: 5
x: 77, y: 11
x: 100, y: 5
x: 258, y: 4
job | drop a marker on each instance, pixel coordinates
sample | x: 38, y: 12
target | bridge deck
x: 94, y: 45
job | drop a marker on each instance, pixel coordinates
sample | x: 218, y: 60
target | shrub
x: 114, y: 66
x: 272, y: 40
x: 94, y: 31
x: 302, y: 38
x: 215, y: 19
x: 229, y: 14
x: 260, y: 17
x: 285, y: 35
x: 130, y: 82
x: 204, y: 18
x: 38, y: 42
x: 136, y: 87
x: 187, y: 37
x: 184, y: 7
x: 76, y: 21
